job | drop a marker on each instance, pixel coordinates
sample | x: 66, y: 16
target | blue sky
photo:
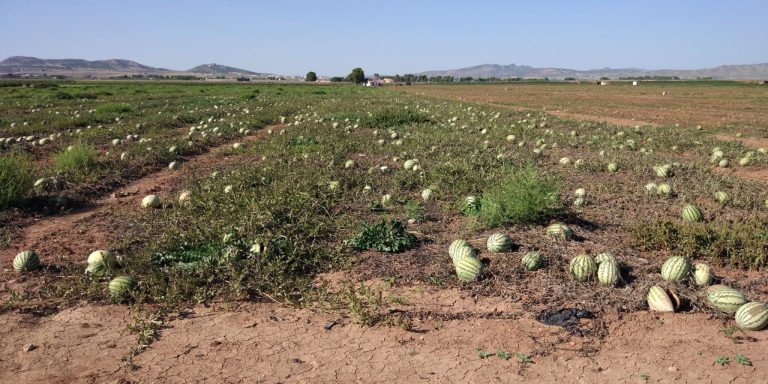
x: 331, y: 37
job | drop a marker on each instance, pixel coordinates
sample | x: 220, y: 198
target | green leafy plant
x: 722, y: 360
x: 743, y: 360
x: 414, y: 210
x: 504, y: 355
x: 528, y: 196
x: 483, y: 354
x: 523, y: 358
x: 383, y: 237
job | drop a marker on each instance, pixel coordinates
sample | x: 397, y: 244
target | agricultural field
x: 432, y: 233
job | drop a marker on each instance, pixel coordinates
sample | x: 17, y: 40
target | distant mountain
x: 729, y: 72
x: 219, y: 70
x: 33, y: 65
x: 23, y: 65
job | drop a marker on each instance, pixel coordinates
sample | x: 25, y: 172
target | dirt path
x: 268, y: 343
x: 72, y: 236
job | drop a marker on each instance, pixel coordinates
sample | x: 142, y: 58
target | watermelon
x: 724, y: 298
x: 468, y: 268
x: 651, y: 187
x: 664, y: 189
x: 692, y: 213
x: 752, y: 316
x: 658, y: 300
x: 581, y: 192
x: 96, y: 268
x: 608, y: 273
x: 463, y: 253
x: 426, y: 194
x: 349, y: 164
x: 579, y: 202
x: 582, y: 268
x: 676, y: 268
x: 702, y: 274
x: 499, y: 242
x: 409, y: 164
x: 120, y: 286
x: 663, y: 170
x: 560, y: 232
x: 532, y: 261
x: 107, y: 257
x: 455, y: 246
x: 613, y: 167
x: 721, y: 197
x: 606, y: 257
x: 723, y: 163
x: 26, y: 261
x: 150, y: 201
x: 470, y: 206
x: 185, y: 196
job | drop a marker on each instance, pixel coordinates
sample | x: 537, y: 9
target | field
x: 309, y: 245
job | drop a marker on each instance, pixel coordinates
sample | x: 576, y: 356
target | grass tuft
x: 528, y: 196
x: 16, y: 177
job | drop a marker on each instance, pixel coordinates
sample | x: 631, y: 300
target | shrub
x: 382, y: 237
x: 739, y: 244
x: 79, y: 158
x: 16, y: 177
x: 528, y: 196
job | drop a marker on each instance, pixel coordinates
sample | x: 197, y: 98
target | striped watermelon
x: 702, y: 274
x: 582, y: 268
x: 462, y: 253
x: 532, y: 261
x: 692, y: 213
x: 499, y: 242
x: 96, y: 268
x: 613, y: 167
x: 608, y: 273
x: 580, y: 192
x: 752, y: 316
x: 455, y: 245
x: 560, y: 232
x: 721, y: 197
x: 426, y: 194
x: 468, y: 269
x: 664, y: 189
x: 663, y: 170
x: 659, y: 301
x: 606, y: 257
x: 676, y: 268
x: 725, y: 299
x: 26, y: 261
x: 120, y: 286
x: 408, y: 164
x: 469, y: 206
x: 107, y: 257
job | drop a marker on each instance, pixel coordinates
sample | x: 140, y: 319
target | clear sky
x: 388, y: 37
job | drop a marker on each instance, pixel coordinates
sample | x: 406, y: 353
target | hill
x: 725, y: 72
x: 24, y: 65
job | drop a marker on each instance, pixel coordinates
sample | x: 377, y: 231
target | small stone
x: 672, y: 369
x: 29, y: 347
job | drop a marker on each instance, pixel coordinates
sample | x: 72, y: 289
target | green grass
x: 79, y: 158
x: 17, y: 173
x: 394, y: 117
x: 383, y: 237
x: 526, y: 196
x: 740, y: 244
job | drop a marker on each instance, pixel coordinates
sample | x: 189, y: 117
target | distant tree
x: 310, y: 77
x: 357, y: 76
x: 605, y: 78
x: 337, y: 79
